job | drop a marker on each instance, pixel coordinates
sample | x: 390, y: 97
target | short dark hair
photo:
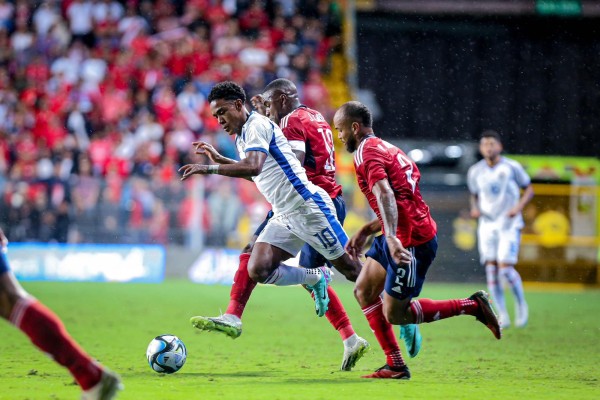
x: 356, y: 111
x: 489, y: 133
x: 283, y: 85
x: 227, y: 91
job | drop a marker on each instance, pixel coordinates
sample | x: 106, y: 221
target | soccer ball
x: 166, y: 354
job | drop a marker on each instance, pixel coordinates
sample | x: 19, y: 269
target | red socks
x: 242, y: 288
x: 47, y: 332
x: 427, y: 310
x: 384, y: 333
x: 336, y: 315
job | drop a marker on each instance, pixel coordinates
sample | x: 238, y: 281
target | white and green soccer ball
x: 166, y: 354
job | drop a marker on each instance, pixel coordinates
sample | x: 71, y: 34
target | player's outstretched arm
x: 388, y: 210
x: 246, y: 168
x: 201, y: 147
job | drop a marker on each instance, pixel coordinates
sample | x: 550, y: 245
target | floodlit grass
x: 286, y: 352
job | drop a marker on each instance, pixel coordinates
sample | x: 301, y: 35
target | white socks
x: 495, y: 288
x: 285, y: 275
x: 511, y: 277
x: 497, y: 278
x: 351, y: 341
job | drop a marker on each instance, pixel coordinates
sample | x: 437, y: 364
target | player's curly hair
x: 227, y: 91
x: 357, y: 111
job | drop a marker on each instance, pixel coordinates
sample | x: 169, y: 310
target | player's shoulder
x: 301, y: 116
x: 510, y: 162
x: 259, y: 122
x: 370, y: 148
x: 478, y: 166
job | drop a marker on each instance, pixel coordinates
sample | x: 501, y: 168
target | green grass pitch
x: 286, y: 352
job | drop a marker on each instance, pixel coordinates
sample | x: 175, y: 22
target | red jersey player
x: 398, y: 259
x: 47, y: 332
x: 311, y: 140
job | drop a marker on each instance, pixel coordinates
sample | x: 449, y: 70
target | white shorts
x: 498, y: 243
x: 314, y: 222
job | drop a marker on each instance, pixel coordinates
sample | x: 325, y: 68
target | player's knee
x: 7, y: 303
x: 259, y: 272
x: 365, y: 295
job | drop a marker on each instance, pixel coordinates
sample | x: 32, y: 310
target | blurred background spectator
x: 101, y: 99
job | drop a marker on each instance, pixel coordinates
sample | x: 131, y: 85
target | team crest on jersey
x: 494, y: 188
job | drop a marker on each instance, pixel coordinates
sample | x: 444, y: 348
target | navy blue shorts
x: 309, y: 257
x: 3, y: 263
x: 404, y: 281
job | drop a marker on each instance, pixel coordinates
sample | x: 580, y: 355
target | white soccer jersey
x: 282, y: 181
x: 498, y: 188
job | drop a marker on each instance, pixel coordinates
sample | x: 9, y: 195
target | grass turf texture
x: 286, y: 352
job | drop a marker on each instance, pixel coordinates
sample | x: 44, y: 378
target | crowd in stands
x: 100, y: 101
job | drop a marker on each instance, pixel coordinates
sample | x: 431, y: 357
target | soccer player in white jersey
x: 495, y: 184
x: 303, y: 212
x: 311, y: 140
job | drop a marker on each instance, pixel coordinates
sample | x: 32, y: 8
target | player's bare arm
x: 247, y: 168
x: 525, y: 198
x: 212, y: 153
x: 475, y: 213
x: 386, y: 202
x: 357, y: 242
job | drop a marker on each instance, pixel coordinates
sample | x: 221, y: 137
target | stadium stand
x: 100, y: 100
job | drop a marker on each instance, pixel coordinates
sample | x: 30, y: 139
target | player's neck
x: 367, y: 134
x: 493, y: 161
x: 247, y: 116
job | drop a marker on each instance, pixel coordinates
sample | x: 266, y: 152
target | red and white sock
x: 384, y: 332
x: 427, y: 310
x: 47, y: 332
x: 337, y: 316
x: 241, y: 289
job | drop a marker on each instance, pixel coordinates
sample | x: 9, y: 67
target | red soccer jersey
x: 309, y: 127
x: 376, y: 159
